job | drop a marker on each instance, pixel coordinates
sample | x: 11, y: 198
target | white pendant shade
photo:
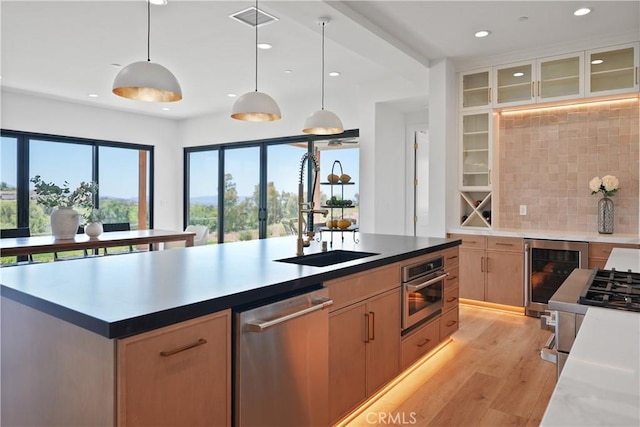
x: 256, y: 107
x: 146, y: 81
x: 323, y: 122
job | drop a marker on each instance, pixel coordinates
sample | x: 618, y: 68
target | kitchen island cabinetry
x: 364, y: 336
x: 60, y: 374
x: 177, y: 375
x: 419, y: 341
x: 492, y: 269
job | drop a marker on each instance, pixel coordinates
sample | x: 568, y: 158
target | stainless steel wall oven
x: 548, y: 264
x: 422, y: 289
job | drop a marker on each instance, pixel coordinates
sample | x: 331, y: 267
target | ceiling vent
x: 248, y: 17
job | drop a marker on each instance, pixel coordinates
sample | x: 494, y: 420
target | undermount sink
x: 324, y: 259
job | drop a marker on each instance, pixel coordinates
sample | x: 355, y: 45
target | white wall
x: 29, y: 113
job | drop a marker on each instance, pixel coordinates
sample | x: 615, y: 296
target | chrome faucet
x: 306, y: 208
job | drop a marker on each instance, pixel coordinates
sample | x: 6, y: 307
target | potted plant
x: 64, y: 219
x: 94, y: 223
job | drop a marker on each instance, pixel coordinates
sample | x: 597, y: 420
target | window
x: 123, y: 172
x: 249, y: 190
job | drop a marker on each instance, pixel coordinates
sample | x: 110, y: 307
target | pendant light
x: 256, y: 106
x: 147, y: 81
x: 323, y: 122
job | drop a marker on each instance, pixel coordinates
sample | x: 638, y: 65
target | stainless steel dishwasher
x: 282, y: 362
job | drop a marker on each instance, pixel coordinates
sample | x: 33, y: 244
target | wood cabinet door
x: 347, y: 356
x: 383, y: 347
x: 472, y: 274
x: 505, y: 278
x: 177, y: 375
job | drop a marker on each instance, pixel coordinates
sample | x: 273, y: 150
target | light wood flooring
x: 490, y: 374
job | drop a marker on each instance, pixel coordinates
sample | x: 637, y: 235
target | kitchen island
x: 64, y: 324
x: 600, y: 382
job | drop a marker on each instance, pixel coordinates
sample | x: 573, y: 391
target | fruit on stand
x: 345, y: 178
x: 332, y: 223
x: 343, y: 224
x: 333, y: 178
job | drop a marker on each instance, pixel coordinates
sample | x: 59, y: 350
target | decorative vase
x: 605, y: 216
x: 64, y: 223
x: 93, y: 229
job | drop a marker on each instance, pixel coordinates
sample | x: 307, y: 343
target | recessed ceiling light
x: 482, y: 33
x: 597, y: 61
x: 264, y: 46
x: 518, y: 74
x: 582, y: 11
x: 93, y: 95
x: 288, y: 71
x: 165, y: 108
x: 231, y: 95
x: 334, y: 73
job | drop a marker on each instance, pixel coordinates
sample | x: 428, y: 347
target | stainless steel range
x: 583, y: 288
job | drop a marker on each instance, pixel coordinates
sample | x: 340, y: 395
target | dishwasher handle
x: 261, y: 326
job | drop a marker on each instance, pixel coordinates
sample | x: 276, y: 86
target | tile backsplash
x: 547, y: 157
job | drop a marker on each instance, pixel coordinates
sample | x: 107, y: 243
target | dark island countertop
x: 122, y: 295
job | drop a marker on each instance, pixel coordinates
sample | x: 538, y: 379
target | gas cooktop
x: 613, y: 289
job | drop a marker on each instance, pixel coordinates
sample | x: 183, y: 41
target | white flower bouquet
x: 608, y: 185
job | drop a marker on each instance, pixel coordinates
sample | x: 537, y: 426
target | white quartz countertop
x: 600, y: 382
x: 623, y: 259
x: 631, y: 239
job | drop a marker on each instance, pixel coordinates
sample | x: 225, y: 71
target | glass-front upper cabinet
x: 475, y: 89
x: 476, y: 148
x: 613, y: 70
x: 560, y: 77
x: 515, y: 84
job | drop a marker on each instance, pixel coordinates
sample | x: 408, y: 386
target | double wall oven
x: 422, y: 292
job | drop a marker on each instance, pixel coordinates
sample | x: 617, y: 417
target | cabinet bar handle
x: 482, y: 264
x: 366, y: 327
x: 637, y: 74
x: 533, y: 89
x: 261, y: 326
x: 503, y: 244
x: 423, y: 343
x: 469, y: 241
x: 452, y: 278
x: 486, y: 264
x: 373, y: 325
x: 489, y: 95
x: 451, y: 323
x: 452, y: 299
x: 453, y: 257
x: 200, y: 342
x: 538, y: 88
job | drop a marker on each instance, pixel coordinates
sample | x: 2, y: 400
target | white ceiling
x: 65, y: 49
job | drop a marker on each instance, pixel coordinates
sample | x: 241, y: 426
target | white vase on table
x: 93, y: 229
x: 64, y: 223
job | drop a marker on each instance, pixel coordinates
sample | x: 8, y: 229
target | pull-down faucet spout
x: 308, y: 206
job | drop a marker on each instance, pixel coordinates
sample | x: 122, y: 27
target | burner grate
x: 613, y: 289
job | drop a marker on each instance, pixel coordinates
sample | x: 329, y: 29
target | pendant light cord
x: 148, y: 30
x: 322, y: 104
x: 256, y: 45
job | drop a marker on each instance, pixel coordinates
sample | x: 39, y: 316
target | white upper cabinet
x: 514, y: 84
x: 474, y: 88
x: 560, y: 77
x: 548, y: 79
x: 613, y: 70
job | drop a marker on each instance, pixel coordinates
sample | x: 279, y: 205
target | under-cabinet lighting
x: 582, y: 11
x: 447, y: 354
x: 597, y: 61
x: 492, y: 306
x: 571, y: 106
